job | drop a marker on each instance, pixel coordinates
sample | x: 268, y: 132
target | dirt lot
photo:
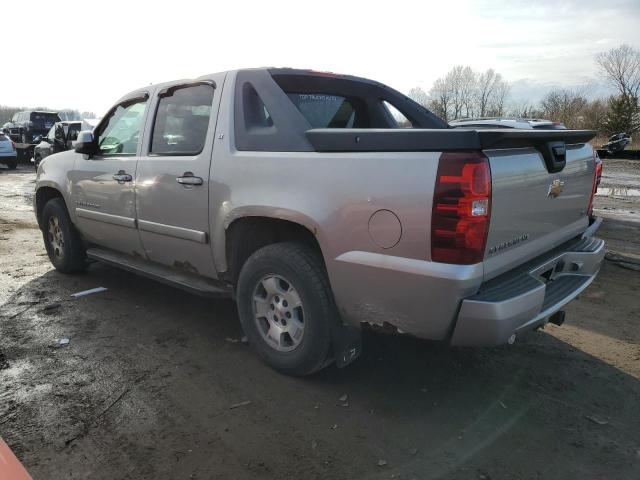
x: 146, y: 385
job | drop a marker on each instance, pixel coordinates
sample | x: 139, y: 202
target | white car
x: 508, y: 122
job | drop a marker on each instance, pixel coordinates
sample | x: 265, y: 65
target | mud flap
x: 346, y: 342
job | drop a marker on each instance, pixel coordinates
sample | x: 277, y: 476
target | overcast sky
x: 121, y: 45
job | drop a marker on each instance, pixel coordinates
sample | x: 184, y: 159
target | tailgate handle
x: 555, y: 155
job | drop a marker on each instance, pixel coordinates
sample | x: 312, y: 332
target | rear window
x: 44, y: 120
x: 328, y: 111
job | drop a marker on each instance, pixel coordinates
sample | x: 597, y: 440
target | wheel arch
x: 245, y: 234
x: 42, y: 196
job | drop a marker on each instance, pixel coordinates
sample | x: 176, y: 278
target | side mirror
x: 85, y: 143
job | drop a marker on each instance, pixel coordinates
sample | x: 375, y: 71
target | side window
x: 120, y: 133
x: 256, y: 114
x: 400, y: 119
x: 59, y: 132
x: 72, y: 136
x: 182, y: 120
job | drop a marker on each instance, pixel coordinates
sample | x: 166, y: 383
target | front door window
x: 120, y: 133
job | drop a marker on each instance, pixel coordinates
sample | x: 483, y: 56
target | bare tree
x: 621, y: 66
x: 465, y: 93
x: 441, y: 98
x: 564, y: 106
x: 467, y: 81
x: 419, y: 96
x: 594, y: 114
x: 491, y: 92
x: 461, y: 84
x: 498, y: 99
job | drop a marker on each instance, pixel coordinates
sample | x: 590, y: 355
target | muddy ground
x: 146, y: 385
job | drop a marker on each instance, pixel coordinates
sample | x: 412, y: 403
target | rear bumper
x: 524, y: 299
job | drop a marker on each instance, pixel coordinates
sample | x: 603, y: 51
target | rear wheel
x: 62, y: 241
x: 12, y: 164
x: 286, y: 306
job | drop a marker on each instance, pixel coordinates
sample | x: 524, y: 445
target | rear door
x: 102, y: 185
x: 172, y: 180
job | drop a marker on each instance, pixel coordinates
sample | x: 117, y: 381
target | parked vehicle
x: 507, y: 122
x: 60, y: 137
x: 8, y: 154
x: 617, y: 143
x: 296, y: 193
x: 27, y: 127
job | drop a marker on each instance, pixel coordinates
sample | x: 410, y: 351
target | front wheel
x: 62, y: 241
x: 286, y: 306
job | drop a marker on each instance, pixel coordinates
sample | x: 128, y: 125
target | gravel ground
x: 154, y: 382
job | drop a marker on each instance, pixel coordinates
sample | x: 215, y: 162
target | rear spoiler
x: 437, y: 140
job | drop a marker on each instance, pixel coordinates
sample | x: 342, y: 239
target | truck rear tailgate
x: 532, y: 209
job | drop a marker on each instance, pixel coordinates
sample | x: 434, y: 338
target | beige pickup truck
x: 304, y: 196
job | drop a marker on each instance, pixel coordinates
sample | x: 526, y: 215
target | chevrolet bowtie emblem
x: 555, y: 188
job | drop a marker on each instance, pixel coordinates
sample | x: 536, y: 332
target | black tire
x: 303, y: 269
x: 66, y: 251
x: 12, y: 164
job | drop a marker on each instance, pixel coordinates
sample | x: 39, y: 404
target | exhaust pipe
x: 557, y: 318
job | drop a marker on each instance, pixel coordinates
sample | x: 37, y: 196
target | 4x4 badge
x: 555, y: 188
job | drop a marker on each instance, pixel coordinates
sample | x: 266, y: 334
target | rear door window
x: 182, y: 120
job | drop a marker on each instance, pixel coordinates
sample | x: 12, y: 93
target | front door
x: 172, y: 179
x: 46, y: 146
x: 102, y: 185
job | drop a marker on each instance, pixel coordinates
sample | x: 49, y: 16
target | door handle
x: 122, y: 177
x: 188, y: 179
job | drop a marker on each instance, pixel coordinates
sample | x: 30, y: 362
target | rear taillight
x: 13, y: 145
x: 461, y: 208
x: 597, y: 176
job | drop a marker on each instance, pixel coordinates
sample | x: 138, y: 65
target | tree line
x: 465, y: 93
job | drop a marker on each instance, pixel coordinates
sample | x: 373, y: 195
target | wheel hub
x: 56, y: 237
x: 278, y: 313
